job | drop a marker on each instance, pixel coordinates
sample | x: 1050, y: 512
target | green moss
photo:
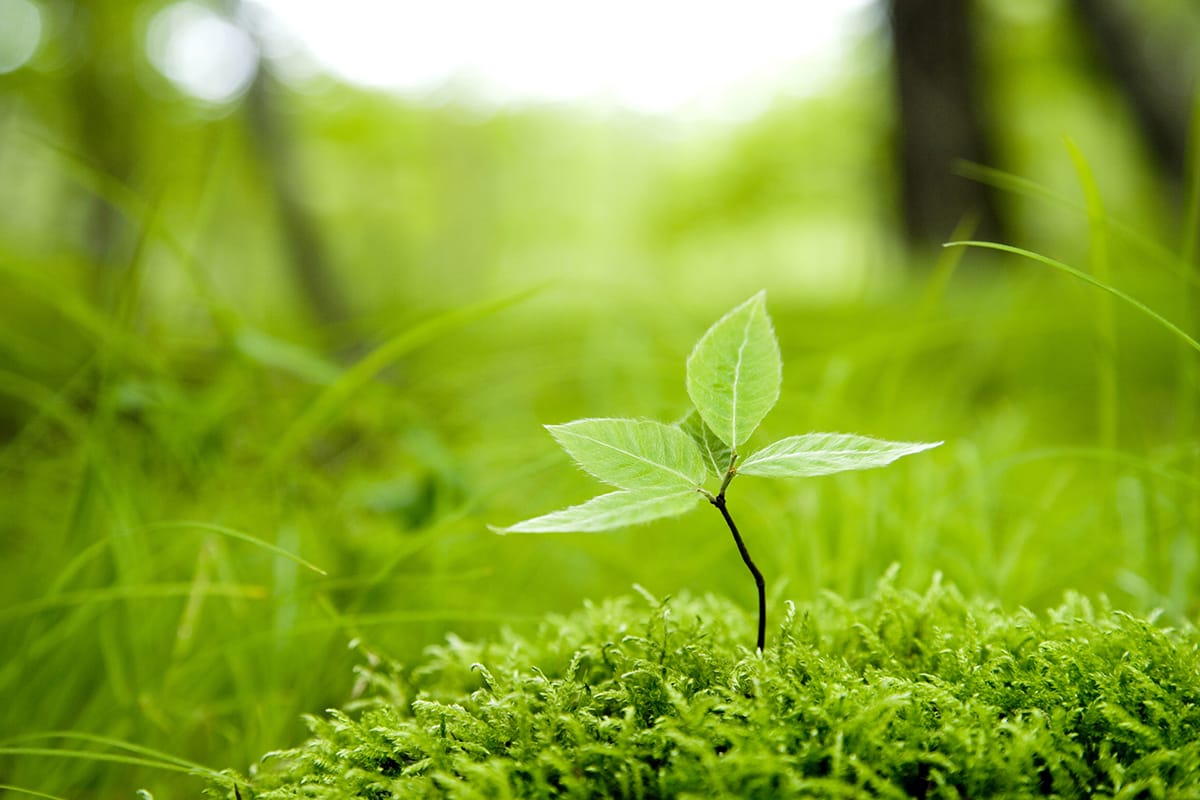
x: 899, y: 695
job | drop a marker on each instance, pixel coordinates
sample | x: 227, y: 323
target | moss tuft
x: 900, y: 695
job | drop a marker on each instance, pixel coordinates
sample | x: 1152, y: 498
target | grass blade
x: 46, y: 402
x: 31, y: 792
x: 141, y: 591
x: 118, y: 744
x: 233, y: 533
x: 1086, y: 278
x: 112, y: 758
x: 338, y: 393
x: 135, y: 207
x: 1106, y: 329
x: 1023, y: 187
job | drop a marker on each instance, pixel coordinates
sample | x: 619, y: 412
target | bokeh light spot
x: 20, y: 33
x: 202, y: 53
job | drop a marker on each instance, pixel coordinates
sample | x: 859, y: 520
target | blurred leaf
x: 826, y: 453
x: 734, y: 373
x: 633, y: 454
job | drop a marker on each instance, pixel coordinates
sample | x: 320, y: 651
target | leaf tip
x: 756, y: 302
x: 499, y: 531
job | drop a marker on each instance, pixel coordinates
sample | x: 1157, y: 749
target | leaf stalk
x: 729, y: 473
x: 760, y: 584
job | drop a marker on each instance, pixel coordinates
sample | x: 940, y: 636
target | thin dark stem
x: 719, y: 502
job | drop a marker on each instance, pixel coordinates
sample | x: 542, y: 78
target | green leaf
x: 734, y: 372
x: 717, y: 455
x: 633, y: 454
x: 825, y: 453
x: 608, y: 511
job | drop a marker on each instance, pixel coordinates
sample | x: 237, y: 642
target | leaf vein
x: 737, y: 374
x: 662, y: 467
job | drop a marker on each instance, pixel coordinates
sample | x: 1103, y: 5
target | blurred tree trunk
x: 108, y: 105
x: 938, y: 99
x: 272, y: 140
x: 112, y: 110
x: 305, y: 247
x: 1152, y: 71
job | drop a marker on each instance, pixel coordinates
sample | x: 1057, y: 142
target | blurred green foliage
x: 172, y: 412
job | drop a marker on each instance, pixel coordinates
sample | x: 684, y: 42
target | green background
x: 173, y: 412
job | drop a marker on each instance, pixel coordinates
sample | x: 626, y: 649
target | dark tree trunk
x: 940, y: 123
x: 1154, y: 73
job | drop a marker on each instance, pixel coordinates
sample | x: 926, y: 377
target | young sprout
x: 659, y: 470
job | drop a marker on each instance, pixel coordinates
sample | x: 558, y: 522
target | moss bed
x: 898, y: 695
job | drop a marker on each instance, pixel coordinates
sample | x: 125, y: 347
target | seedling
x: 733, y: 379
